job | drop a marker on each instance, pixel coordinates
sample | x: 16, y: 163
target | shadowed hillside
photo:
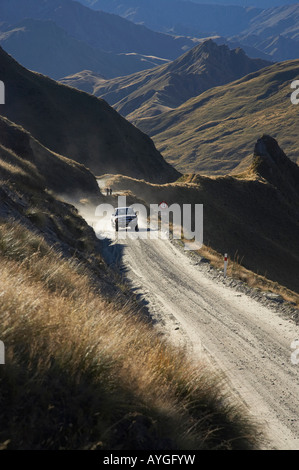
x: 79, y: 126
x: 26, y: 161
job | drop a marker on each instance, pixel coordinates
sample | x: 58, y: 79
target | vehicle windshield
x: 125, y: 211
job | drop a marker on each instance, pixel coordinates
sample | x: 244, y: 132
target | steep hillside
x: 78, y: 126
x: 214, y: 132
x: 44, y: 47
x: 24, y: 160
x: 253, y: 216
x: 163, y: 88
x: 99, y: 30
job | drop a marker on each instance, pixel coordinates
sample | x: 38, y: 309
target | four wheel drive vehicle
x: 124, y: 217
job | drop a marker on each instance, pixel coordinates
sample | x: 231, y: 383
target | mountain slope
x: 185, y: 17
x: 86, y: 80
x: 27, y: 160
x: 213, y: 133
x: 44, y: 47
x: 157, y: 90
x: 242, y: 24
x: 99, y: 30
x: 79, y: 126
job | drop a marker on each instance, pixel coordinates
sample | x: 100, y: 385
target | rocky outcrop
x: 273, y: 165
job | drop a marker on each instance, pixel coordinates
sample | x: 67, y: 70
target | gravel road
x: 248, y: 341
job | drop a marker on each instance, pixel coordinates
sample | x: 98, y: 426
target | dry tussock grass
x: 252, y: 279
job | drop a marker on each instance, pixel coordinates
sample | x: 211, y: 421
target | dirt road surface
x: 248, y: 341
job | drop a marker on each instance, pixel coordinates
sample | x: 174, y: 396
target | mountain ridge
x: 253, y: 28
x: 44, y: 47
x: 181, y: 17
x: 98, y: 29
x: 152, y: 92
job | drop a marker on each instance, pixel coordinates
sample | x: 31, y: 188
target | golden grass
x: 252, y: 279
x: 84, y: 371
x: 214, y: 132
